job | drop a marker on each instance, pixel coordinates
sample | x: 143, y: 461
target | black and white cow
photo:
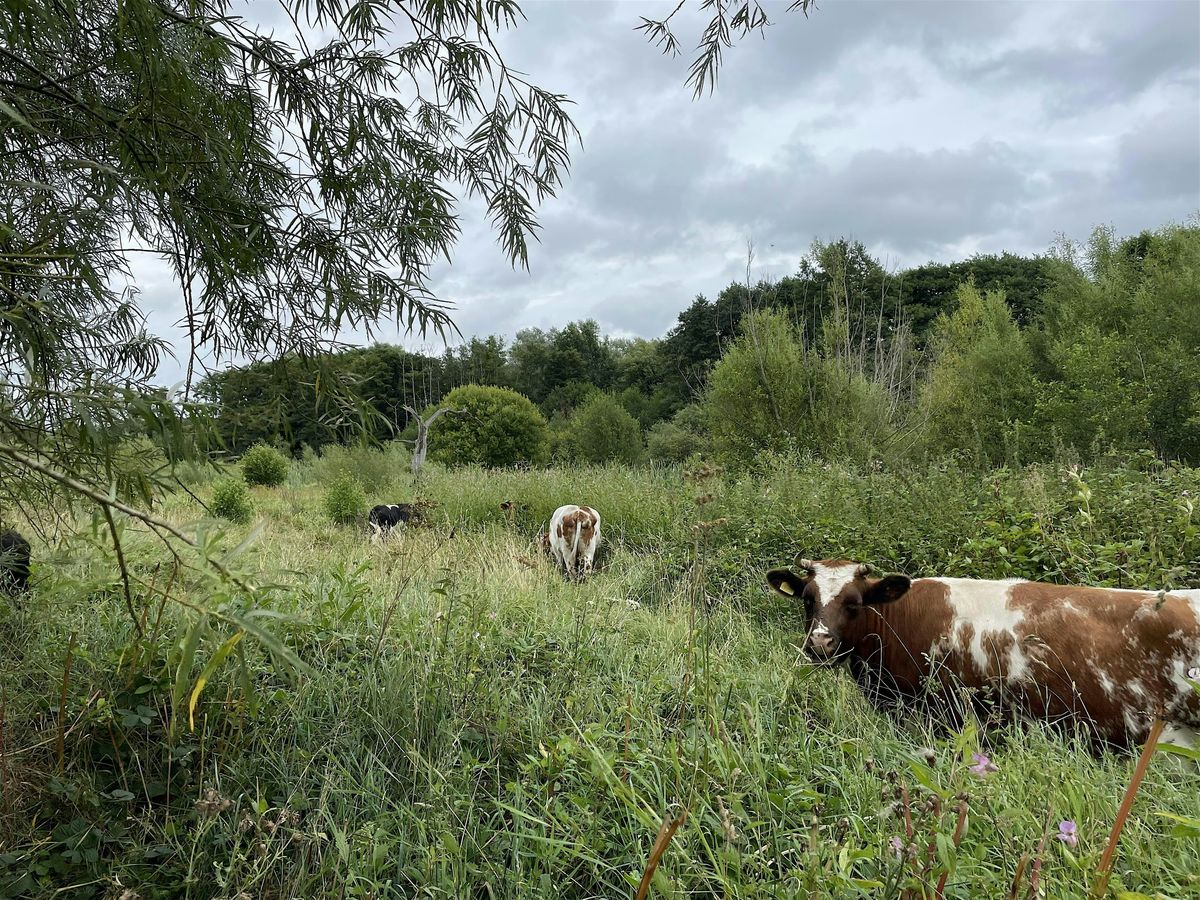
x: 385, y: 517
x: 14, y: 563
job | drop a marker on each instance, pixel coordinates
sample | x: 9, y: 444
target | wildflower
x: 897, y: 846
x: 1067, y: 833
x: 633, y: 604
x: 983, y: 766
x: 212, y: 804
x: 928, y: 755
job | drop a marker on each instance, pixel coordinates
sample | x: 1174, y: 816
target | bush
x: 678, y: 439
x: 345, y: 501
x: 499, y: 428
x: 231, y: 499
x: 771, y: 393
x: 602, y: 431
x: 376, y: 468
x: 264, y: 465
x: 979, y: 389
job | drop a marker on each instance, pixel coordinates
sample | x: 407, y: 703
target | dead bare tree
x: 421, y: 447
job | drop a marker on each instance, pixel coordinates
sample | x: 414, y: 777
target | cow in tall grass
x: 386, y: 516
x: 14, y: 563
x: 574, y: 536
x: 1107, y: 658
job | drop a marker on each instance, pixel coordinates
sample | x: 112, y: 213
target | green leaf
x: 927, y: 778
x: 207, y: 672
x: 1179, y: 750
x: 15, y: 115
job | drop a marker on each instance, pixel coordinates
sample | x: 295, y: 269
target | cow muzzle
x: 821, y: 643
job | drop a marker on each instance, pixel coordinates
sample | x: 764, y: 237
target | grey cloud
x: 1103, y: 54
x: 1160, y: 158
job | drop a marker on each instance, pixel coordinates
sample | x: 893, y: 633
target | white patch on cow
x: 1138, y: 689
x: 984, y: 605
x: 1179, y: 734
x: 830, y: 580
x: 1106, y: 683
x: 1132, y: 724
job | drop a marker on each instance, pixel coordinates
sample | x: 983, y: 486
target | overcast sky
x: 927, y: 130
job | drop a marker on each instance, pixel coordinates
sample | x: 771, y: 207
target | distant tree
x: 1118, y: 346
x: 564, y: 399
x: 602, y: 431
x: 498, y: 427
x: 979, y: 390
x: 930, y: 290
x: 770, y: 392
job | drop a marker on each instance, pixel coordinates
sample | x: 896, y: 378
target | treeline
x: 998, y: 358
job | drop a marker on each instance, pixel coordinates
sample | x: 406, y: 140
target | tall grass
x: 476, y: 726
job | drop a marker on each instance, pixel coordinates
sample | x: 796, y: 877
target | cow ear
x: 887, y: 590
x: 786, y: 582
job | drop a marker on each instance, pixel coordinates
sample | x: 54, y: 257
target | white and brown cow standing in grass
x: 574, y: 536
x: 1110, y: 659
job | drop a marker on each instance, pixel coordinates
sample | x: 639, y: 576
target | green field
x: 467, y: 723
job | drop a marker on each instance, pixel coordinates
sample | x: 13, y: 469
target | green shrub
x: 498, y: 428
x: 680, y: 438
x: 980, y: 386
x: 772, y: 393
x: 345, y: 501
x: 231, y: 499
x: 602, y: 431
x: 264, y: 465
x: 376, y: 468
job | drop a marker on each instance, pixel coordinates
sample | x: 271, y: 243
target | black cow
x: 385, y: 517
x: 14, y: 563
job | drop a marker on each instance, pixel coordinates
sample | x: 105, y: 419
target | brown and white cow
x: 1110, y: 659
x: 574, y: 536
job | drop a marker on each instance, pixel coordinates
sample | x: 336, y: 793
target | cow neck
x: 897, y: 637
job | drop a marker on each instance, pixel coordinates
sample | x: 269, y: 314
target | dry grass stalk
x: 1104, y: 870
x: 665, y: 833
x: 959, y: 830
x: 1035, y: 871
x: 1018, y: 877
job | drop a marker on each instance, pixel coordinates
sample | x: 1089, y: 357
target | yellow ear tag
x: 787, y: 588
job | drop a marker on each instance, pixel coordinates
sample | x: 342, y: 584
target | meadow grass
x: 470, y: 724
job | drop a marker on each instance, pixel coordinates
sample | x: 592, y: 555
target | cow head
x: 834, y: 593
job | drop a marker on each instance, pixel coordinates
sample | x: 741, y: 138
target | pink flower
x: 1067, y: 834
x: 897, y: 846
x: 983, y: 766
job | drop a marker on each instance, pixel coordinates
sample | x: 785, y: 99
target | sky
x: 926, y: 130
